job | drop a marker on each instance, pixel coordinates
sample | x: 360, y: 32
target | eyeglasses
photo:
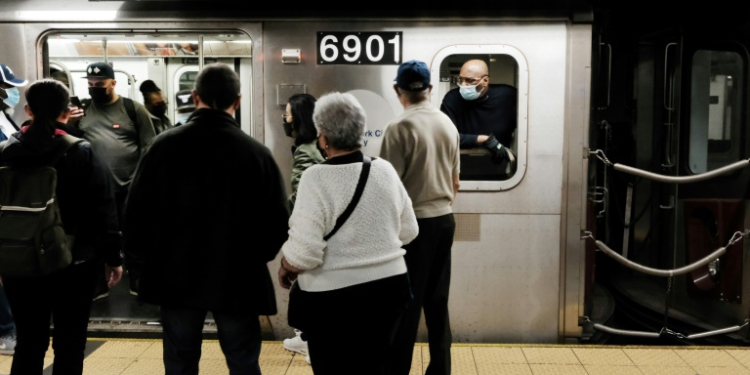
x: 463, y: 81
x: 284, y: 116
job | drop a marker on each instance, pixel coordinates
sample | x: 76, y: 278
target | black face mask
x: 99, y: 95
x: 159, y: 109
x: 288, y: 129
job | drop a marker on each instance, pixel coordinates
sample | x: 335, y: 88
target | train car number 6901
x: 359, y: 48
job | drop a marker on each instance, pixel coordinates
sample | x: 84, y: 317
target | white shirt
x: 5, y: 125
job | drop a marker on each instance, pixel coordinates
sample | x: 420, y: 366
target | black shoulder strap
x: 129, y: 108
x: 357, y: 194
x: 67, y: 142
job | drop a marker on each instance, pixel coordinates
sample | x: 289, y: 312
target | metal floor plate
x: 144, y: 357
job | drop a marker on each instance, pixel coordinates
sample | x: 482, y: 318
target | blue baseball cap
x: 7, y: 76
x: 413, y: 75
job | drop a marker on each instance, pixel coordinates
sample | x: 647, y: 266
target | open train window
x: 716, y: 97
x: 487, y: 102
x: 170, y: 59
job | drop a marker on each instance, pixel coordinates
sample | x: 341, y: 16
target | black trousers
x: 239, y: 338
x: 132, y: 262
x: 333, y: 318
x: 65, y: 297
x: 428, y: 259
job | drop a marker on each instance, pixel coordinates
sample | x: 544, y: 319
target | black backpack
x: 32, y: 239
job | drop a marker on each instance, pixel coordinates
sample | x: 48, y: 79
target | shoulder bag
x: 297, y: 297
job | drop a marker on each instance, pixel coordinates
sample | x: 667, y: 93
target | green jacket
x: 305, y: 156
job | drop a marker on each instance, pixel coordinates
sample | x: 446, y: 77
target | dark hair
x: 218, y: 86
x: 47, y: 100
x: 148, y: 86
x: 302, y: 106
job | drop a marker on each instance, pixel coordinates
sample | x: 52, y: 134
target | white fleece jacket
x: 368, y: 246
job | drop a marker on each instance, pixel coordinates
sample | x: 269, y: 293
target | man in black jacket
x: 206, y: 211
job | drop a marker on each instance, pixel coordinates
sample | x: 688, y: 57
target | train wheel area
x: 144, y: 357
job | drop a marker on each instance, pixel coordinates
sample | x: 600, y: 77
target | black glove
x: 496, y: 149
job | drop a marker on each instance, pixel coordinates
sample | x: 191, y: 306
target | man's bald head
x: 474, y: 68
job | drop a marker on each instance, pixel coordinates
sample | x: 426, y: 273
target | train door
x: 172, y: 61
x: 672, y: 102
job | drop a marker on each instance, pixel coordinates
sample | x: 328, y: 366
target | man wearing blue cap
x: 9, y: 98
x: 422, y: 144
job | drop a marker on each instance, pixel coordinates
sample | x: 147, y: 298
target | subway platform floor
x: 144, y: 357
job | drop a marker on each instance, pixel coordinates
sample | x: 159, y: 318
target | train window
x: 716, y: 99
x: 487, y: 103
x: 170, y: 59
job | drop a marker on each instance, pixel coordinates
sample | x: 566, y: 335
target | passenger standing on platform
x: 156, y: 104
x: 88, y: 211
x: 355, y: 275
x: 207, y: 212
x: 119, y: 130
x: 422, y: 144
x: 298, y: 124
x: 9, y: 98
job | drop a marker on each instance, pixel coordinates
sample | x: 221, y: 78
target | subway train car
x: 626, y: 215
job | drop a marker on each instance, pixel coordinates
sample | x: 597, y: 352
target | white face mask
x: 469, y: 92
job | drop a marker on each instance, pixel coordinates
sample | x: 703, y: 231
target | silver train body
x: 522, y: 269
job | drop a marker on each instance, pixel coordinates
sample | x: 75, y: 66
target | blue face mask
x: 14, y: 97
x: 469, y: 92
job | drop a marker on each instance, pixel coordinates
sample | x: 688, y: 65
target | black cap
x: 149, y: 86
x: 185, y: 99
x: 413, y: 75
x: 100, y: 70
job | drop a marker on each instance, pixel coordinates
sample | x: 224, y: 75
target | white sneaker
x: 296, y: 344
x: 307, y: 359
x: 8, y: 343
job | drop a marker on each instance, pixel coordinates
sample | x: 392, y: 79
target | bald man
x: 484, y: 113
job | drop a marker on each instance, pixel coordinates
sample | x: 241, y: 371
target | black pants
x: 332, y: 339
x: 65, y: 297
x: 133, y: 263
x: 428, y: 259
x: 239, y: 337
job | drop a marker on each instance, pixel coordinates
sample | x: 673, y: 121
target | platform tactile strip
x: 144, y: 357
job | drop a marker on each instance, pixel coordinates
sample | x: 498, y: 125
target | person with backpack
x: 83, y: 201
x: 119, y: 130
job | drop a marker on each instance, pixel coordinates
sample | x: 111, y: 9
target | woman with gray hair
x: 345, y: 247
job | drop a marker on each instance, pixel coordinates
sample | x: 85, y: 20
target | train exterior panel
x: 510, y: 277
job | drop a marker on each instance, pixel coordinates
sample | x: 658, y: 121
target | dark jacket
x: 206, y: 212
x: 84, y: 194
